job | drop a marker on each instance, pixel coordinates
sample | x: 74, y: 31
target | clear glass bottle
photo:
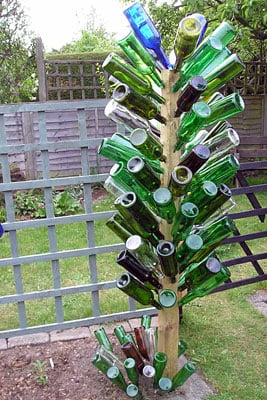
x: 140, y: 57
x: 146, y: 32
x: 222, y: 144
x: 130, y: 76
x: 134, y: 288
x: 137, y: 103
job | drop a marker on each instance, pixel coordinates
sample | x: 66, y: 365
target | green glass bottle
x: 119, y: 230
x: 217, y: 128
x: 182, y: 347
x: 225, y: 33
x: 198, y: 61
x: 203, y: 196
x: 197, y: 273
x: 191, y: 245
x: 148, y: 143
x: 197, y: 139
x: 116, y: 377
x: 190, y: 95
x: 133, y: 392
x: 167, y: 298
x: 120, y: 333
x: 100, y: 363
x: 164, y: 204
x: 144, y: 253
x: 220, y: 171
x: 207, y: 286
x: 143, y: 173
x: 139, y: 332
x: 140, y: 271
x: 167, y: 256
x: 131, y: 370
x: 216, y: 96
x: 218, y: 60
x: 187, y: 35
x: 185, y: 372
x: 138, y: 104
x: 159, y: 363
x: 122, y: 139
x: 225, y: 108
x: 220, y: 75
x: 198, y: 156
x: 146, y: 321
x: 130, y: 76
x: 103, y: 338
x: 134, y: 288
x: 184, y: 221
x: 222, y: 143
x: 213, y: 235
x: 140, y: 57
x: 131, y: 351
x: 192, y: 122
x: 181, y: 177
x: 131, y: 207
x: 164, y: 385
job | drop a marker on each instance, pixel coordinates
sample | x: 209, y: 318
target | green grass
x: 226, y: 336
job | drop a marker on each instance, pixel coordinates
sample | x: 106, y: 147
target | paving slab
x: 259, y: 300
x: 35, y: 338
x: 70, y: 334
x: 3, y: 344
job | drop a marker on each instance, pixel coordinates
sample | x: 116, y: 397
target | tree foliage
x: 17, y: 62
x: 249, y: 17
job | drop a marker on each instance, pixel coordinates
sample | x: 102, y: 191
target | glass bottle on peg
x: 139, y: 56
x: 204, y: 24
x: 117, y: 227
x: 222, y: 144
x: 184, y: 221
x: 199, y: 155
x: 180, y: 180
x: 135, y: 289
x: 149, y: 144
x: 127, y: 74
x: 186, y: 251
x: 167, y: 255
x: 103, y: 338
x: 147, y: 33
x: 140, y: 105
x: 190, y: 95
x: 143, y: 173
x: 202, y: 197
x: 224, y: 108
x: 187, y: 35
x: 164, y: 204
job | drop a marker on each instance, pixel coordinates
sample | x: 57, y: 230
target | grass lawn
x: 226, y: 336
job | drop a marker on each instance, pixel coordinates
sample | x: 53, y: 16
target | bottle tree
x: 170, y: 184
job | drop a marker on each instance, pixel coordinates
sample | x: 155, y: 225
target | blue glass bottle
x: 146, y: 32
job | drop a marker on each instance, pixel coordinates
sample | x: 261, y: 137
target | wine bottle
x: 221, y: 57
x: 149, y: 372
x: 220, y: 171
x: 120, y: 333
x: 225, y: 108
x: 119, y: 226
x: 140, y: 105
x: 187, y: 35
x: 192, y: 122
x: 112, y: 187
x: 184, y: 221
x: 222, y: 144
x: 131, y: 370
x: 151, y: 339
x: 104, y: 359
x: 140, y: 57
x: 164, y: 385
x: 185, y: 372
x: 182, y: 346
x: 225, y: 33
x: 191, y: 245
x: 127, y: 74
x: 144, y: 253
x: 227, y: 70
x: 149, y: 144
x: 196, y: 158
x: 167, y: 256
x: 131, y: 351
x: 204, y: 24
x: 139, y: 332
x: 102, y: 338
x: 121, y: 115
x: 146, y: 321
x: 164, y: 204
x: 143, y: 173
x: 190, y: 95
x: 159, y: 363
x: 218, y: 128
x: 131, y: 207
x: 216, y: 96
x: 180, y: 180
x: 133, y: 392
x: 204, y: 54
x: 206, y: 287
x: 197, y: 273
x: 167, y: 298
x: 141, y: 272
x: 146, y: 32
x: 134, y: 288
x: 203, y: 196
x: 198, y: 139
x: 116, y: 377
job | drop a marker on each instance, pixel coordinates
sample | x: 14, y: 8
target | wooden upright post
x: 168, y: 318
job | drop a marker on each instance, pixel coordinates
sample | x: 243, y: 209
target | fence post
x: 41, y: 70
x: 28, y: 137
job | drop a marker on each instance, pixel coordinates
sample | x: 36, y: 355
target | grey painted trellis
x: 86, y: 179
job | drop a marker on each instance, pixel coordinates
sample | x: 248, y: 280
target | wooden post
x: 41, y: 70
x: 168, y: 318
